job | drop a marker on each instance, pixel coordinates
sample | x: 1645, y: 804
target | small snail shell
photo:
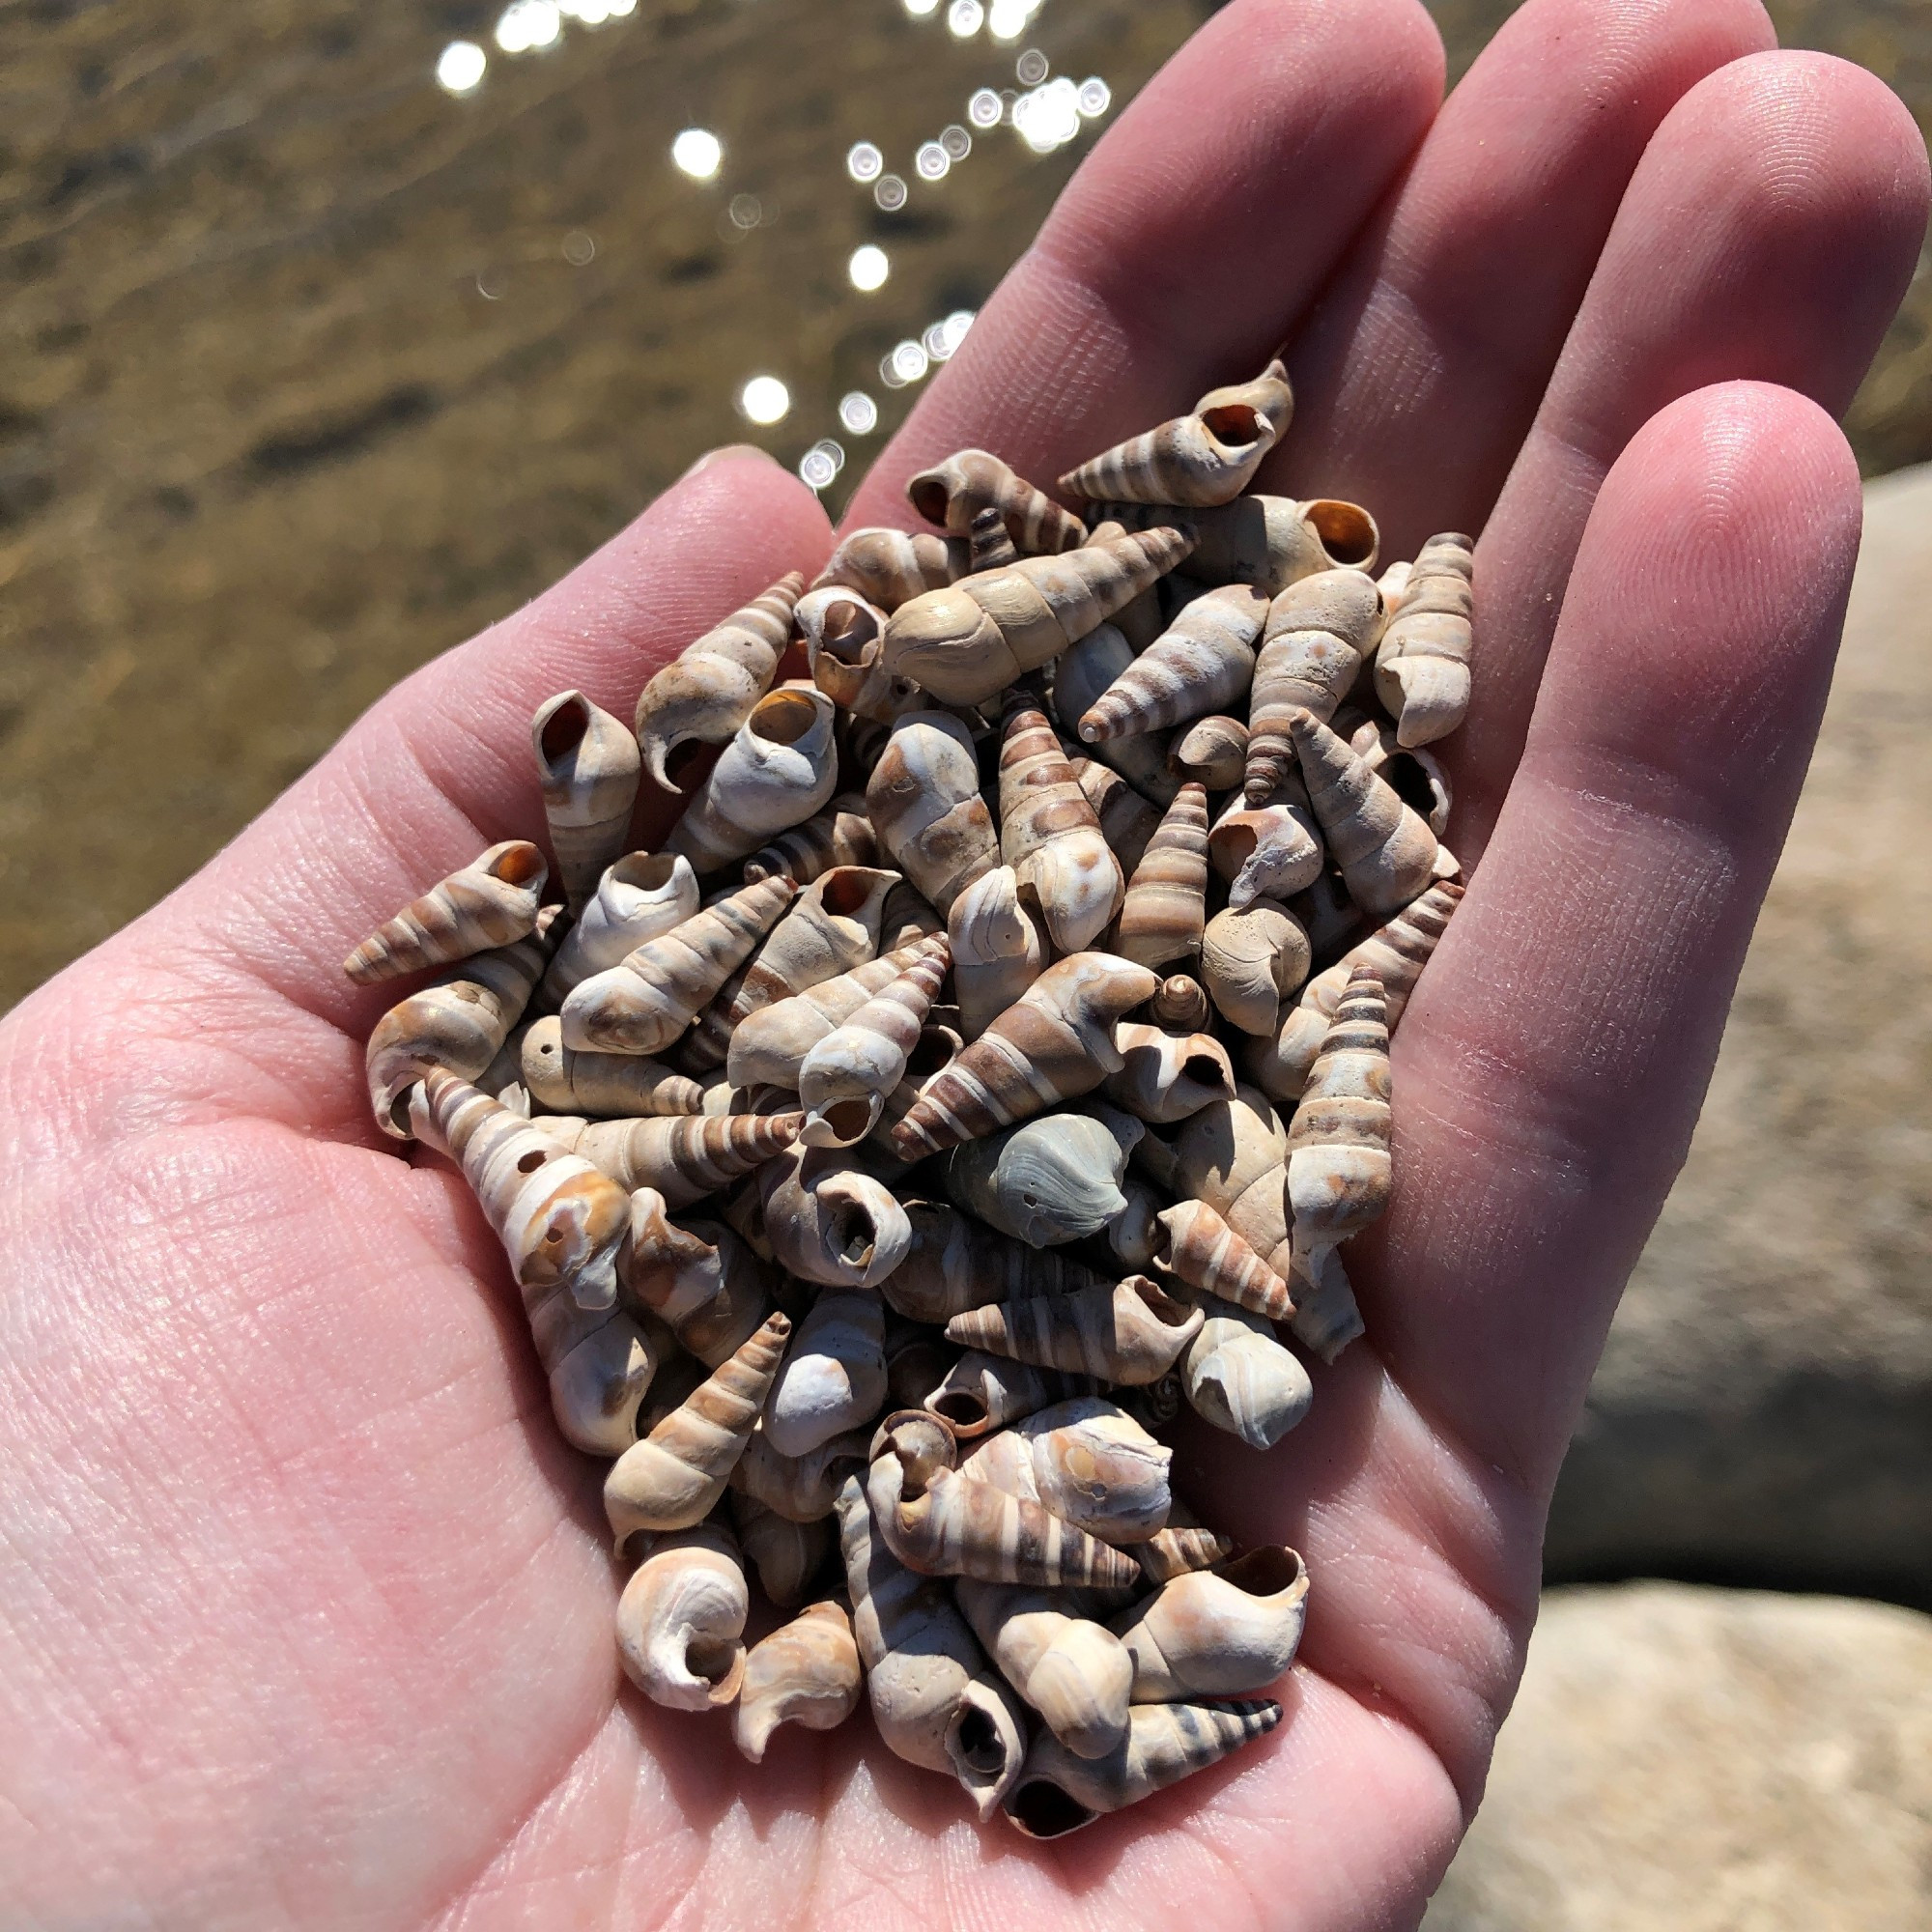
x: 1253, y: 960
x: 888, y: 568
x: 492, y: 902
x: 1076, y: 1674
x: 681, y: 1620
x: 828, y: 1221
x: 834, y: 1375
x: 1385, y: 853
x: 1212, y: 750
x: 924, y: 795
x: 638, y: 898
x: 626, y: 1084
x: 1202, y: 663
x: 1338, y: 1174
x: 1166, y: 904
x: 1051, y: 836
x: 1165, y: 1077
x: 983, y: 1392
x: 587, y: 767
x: 1051, y: 1179
x: 804, y: 1673
x: 844, y: 638
x: 1200, y: 1248
x: 1236, y: 1375
x: 841, y: 835
x: 953, y: 493
x: 778, y: 770
x: 997, y: 953
x: 1220, y: 1632
x: 1131, y: 1331
x: 1320, y: 633
x: 1269, y: 542
x: 1422, y: 668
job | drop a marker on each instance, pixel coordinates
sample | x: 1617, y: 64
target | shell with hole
x: 1127, y: 820
x: 1087, y: 1461
x: 843, y: 636
x: 800, y: 1489
x: 1166, y: 904
x: 684, y: 1156
x: 778, y: 769
x: 587, y: 768
x: 957, y: 1262
x: 607, y: 1084
x: 951, y: 494
x: 829, y: 1221
x: 702, y: 1281
x: 924, y: 795
x: 841, y: 835
x: 1202, y: 663
x: 1269, y: 542
x: 1164, y: 1077
x: 997, y: 950
x: 490, y: 901
x: 834, y: 1376
x: 1129, y: 1331
x: 1197, y: 1245
x: 845, y: 1079
x: 1220, y: 1632
x: 638, y: 898
x: 981, y: 1392
x: 1265, y: 851
x: 1078, y: 1675
x: 1386, y: 854
x: 887, y: 568
x: 1239, y: 1376
x: 1056, y: 1179
x: 1339, y: 1167
x: 1082, y: 673
x: 1051, y: 836
x: 788, y: 1557
x: 804, y: 1673
x: 681, y: 1620
x: 1252, y: 960
x: 1422, y: 668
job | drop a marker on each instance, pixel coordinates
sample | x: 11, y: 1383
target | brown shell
x: 1339, y: 1172
x: 841, y: 835
x: 1166, y: 904
x: 1384, y: 851
x: 1422, y: 668
x: 923, y: 796
x: 1202, y: 663
x: 1051, y: 838
x: 1165, y: 1077
x: 1127, y: 821
x: 1130, y: 1331
x: 684, y: 1156
x: 492, y: 902
x: 806, y: 1673
x: 886, y: 567
x: 1269, y: 542
x: 1199, y: 1247
x: 1319, y: 634
x: 953, y: 493
x: 1181, y: 1006
x: 957, y: 1262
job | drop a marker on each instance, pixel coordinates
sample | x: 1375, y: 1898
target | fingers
x: 1185, y: 248
x: 1768, y: 233
x: 1422, y: 368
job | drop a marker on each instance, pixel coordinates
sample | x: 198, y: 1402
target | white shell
x: 834, y: 1375
x: 778, y: 770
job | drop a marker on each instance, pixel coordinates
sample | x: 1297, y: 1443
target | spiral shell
x: 681, y: 1620
x: 834, y: 1376
x: 701, y: 1281
x: 490, y: 901
x: 1422, y: 668
x: 1320, y: 632
x: 1415, y: 774
x: 1269, y: 542
x: 1199, y: 1247
x: 1253, y: 960
x: 1265, y: 851
x: 844, y: 637
x: 924, y: 795
x: 953, y: 493
x: 1180, y: 1004
x: 1178, y: 1548
x: 1165, y: 1076
x: 841, y: 835
x: 957, y: 1262
x: 1385, y: 853
x: 829, y: 1221
x: 626, y: 1084
x: 1212, y: 752
x: 587, y: 769
x: 937, y: 1046
x: 1232, y: 1155
x: 1220, y: 1632
x: 1127, y: 821
x: 1087, y: 1462
x: 1076, y: 1674
x: 1051, y: 838
x: 1130, y: 1331
x: 1166, y: 904
x: 683, y: 1156
x: 804, y: 1673
x: 638, y: 898
x: 1236, y: 1375
x: 845, y: 1077
x: 1202, y: 663
x: 989, y: 545
x: 778, y: 770
x: 1339, y: 1165
x: 1056, y: 1179
x: 800, y: 1489
x: 887, y: 568
x: 982, y: 1392
x: 996, y: 948
x: 1083, y: 672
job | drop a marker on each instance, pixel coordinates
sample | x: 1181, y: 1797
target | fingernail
x: 729, y: 449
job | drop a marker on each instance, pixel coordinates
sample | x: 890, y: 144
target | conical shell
x: 1253, y: 960
x: 1127, y: 820
x: 1212, y: 752
x: 1165, y: 1077
x: 1089, y: 1463
x: 1054, y: 1043
x: 1386, y: 852
x: 1200, y: 1248
x: 887, y: 568
x: 1082, y: 673
x: 834, y: 1375
x: 997, y: 953
x: 1233, y: 1157
x: 957, y: 1262
x: 788, y: 1557
x: 989, y: 545
x: 800, y: 1489
x: 935, y: 1701
x: 587, y: 769
x: 769, y: 1048
x: 951, y: 494
x: 683, y: 1157
x: 681, y: 1620
x: 675, y: 1475
x: 1319, y: 634
x: 983, y: 1392
x: 704, y: 1282
x: 1422, y: 668
x: 1131, y: 1331
x: 1051, y: 838
x: 778, y: 769
x: 640, y: 899
x: 804, y: 1673
x: 1166, y: 905
x: 1056, y: 1792
x: 1178, y: 1549
x: 841, y: 835
x: 845, y: 1077
x: 844, y: 638
x: 1265, y: 851
x: 1339, y: 1173
x: 1222, y: 1633
x: 1206, y: 457
x: 1269, y: 542
x: 1181, y: 1006
x: 1202, y: 663
x: 708, y: 690
x: 1076, y: 1674
x: 924, y: 795
x: 623, y: 1084
x: 828, y: 1221
x: 1236, y: 1375
x: 645, y: 1002
x: 1056, y: 1179
x: 492, y: 902
x: 969, y: 642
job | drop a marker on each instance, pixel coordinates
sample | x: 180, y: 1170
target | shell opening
x: 851, y: 1121
x: 518, y: 866
x: 1160, y: 1304
x: 933, y: 1049
x: 648, y: 871
x: 530, y: 1163
x: 711, y: 1657
x: 1404, y: 774
x: 564, y: 728
x: 962, y: 1408
x: 847, y: 630
x: 1234, y: 423
x: 1204, y: 1070
x: 1266, y: 1572
x: 927, y: 494
x: 1346, y: 531
x: 847, y: 889
x: 785, y: 717
x: 979, y: 1743
x: 1043, y: 1810
x: 851, y: 1235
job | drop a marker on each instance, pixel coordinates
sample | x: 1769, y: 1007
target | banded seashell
x: 1166, y: 904
x: 638, y: 898
x: 843, y: 1081
x: 1232, y: 1155
x: 806, y: 1673
x: 778, y: 769
x: 683, y: 1156
x: 1058, y: 1792
x: 844, y: 637
x: 1269, y: 542
x: 1209, y: 456
x: 841, y: 835
x: 802, y: 1488
x: 830, y: 1222
x: 936, y: 1046
x: 702, y: 1281
x: 1164, y: 1077
x: 1180, y: 1004
x: 1180, y: 1547
x: 1339, y: 1171
x: 1320, y: 633
x: 1265, y: 851
x: 1415, y: 773
x: 989, y: 544
x: 1078, y: 1675
x: 832, y: 1378
x: 490, y: 901
x: 957, y: 1262
x: 1385, y: 852
x: 1236, y: 1375
x: 1326, y: 1316
x: 788, y: 1557
x: 887, y: 568
x: 587, y: 768
x: 681, y: 1620
x: 966, y: 643
x: 1051, y: 836
x: 953, y: 493
x: 627, y: 1084
x: 1252, y: 960
x: 1084, y: 670
x: 769, y: 1048
x: 708, y: 690
x: 1127, y: 820
x: 1200, y: 1248
x: 918, y: 1359
x: 674, y: 1477
x: 1129, y: 1331
x: 997, y: 952
x: 982, y: 1392
x: 1422, y: 668
x: 1086, y: 1459
x: 1212, y: 752
x: 1220, y: 1632
x: 1202, y: 663
x: 678, y: 1375
x: 923, y: 796
x: 1056, y: 1179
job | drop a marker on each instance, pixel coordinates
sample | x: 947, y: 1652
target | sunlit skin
x: 307, y: 1609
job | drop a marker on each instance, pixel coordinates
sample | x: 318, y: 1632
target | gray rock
x: 1763, y: 1412
x: 1692, y: 1760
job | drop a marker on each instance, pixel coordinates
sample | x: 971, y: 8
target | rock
x: 1763, y: 1413
x: 1694, y: 1760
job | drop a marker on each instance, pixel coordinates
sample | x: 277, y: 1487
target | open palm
x: 307, y: 1610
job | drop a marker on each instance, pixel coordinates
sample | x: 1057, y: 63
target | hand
x: 307, y: 1610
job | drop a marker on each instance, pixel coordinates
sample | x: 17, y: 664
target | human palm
x: 307, y: 1610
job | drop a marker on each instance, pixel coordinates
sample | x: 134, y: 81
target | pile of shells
x: 885, y: 1172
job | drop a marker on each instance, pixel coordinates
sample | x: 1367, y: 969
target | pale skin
x: 307, y: 1609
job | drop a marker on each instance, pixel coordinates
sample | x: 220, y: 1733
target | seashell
x: 587, y: 767
x: 626, y: 1084
x: 804, y: 1673
x: 1086, y: 1459
x: 702, y: 1281
x: 708, y: 690
x: 1178, y: 1548
x: 769, y: 1048
x: 1180, y: 1004
x: 1076, y: 1674
x: 492, y: 902
x: 983, y: 1392
x: 1269, y: 542
x: 1422, y: 668
x: 640, y: 899
x: 1200, y: 1248
x: 1393, y: 583
x: 955, y: 1263
x: 459, y: 1021
x: 1385, y: 853
x: 646, y: 1000
x: 942, y: 1524
x: 1054, y: 1043
x: 1326, y: 1318
x: 1166, y: 904
x: 830, y: 1222
x: 802, y: 1488
x: 1056, y: 1179
x: 1236, y: 1375
x: 953, y: 494
x: 887, y: 568
x: 1232, y: 1155
x: 1220, y: 1632
x: 788, y: 1557
x: 1202, y: 663
x: 674, y: 1477
x: 937, y: 1046
x: 834, y: 1376
x: 996, y: 949
x: 1320, y: 633
x: 1082, y: 673
x: 1051, y: 838
x: 1166, y: 1076
x: 845, y: 1077
x: 1214, y: 752
x: 1133, y: 1234
x: 1253, y: 960
x: 1206, y: 457
x: 841, y: 835
x: 779, y: 768
x: 935, y: 1701
x: 681, y: 1620
x: 1415, y: 774
x: 1056, y: 1792
x: 1129, y: 1331
x: 1338, y: 1168
x: 684, y: 1156
x: 989, y: 546
x: 966, y: 643
x: 843, y: 636
x: 1127, y: 821
x: 1265, y: 851
x: 924, y: 795
x: 908, y: 917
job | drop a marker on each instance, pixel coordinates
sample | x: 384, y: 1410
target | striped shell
x: 490, y: 901
x: 1320, y: 632
x: 1422, y: 668
x: 1202, y: 663
x: 1130, y: 1331
x: 587, y: 768
x: 1166, y: 904
x: 1051, y: 838
x: 953, y: 493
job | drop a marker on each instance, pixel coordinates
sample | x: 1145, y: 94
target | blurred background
x: 333, y: 331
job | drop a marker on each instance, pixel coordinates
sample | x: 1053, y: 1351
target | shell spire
x: 1166, y: 905
x: 684, y: 1156
x: 1339, y: 1172
x: 1422, y: 668
x: 1319, y: 634
x: 845, y: 1079
x: 841, y: 835
x: 887, y: 568
x: 1202, y: 663
x: 1130, y: 1331
x: 1200, y: 1248
x: 625, y: 1084
x: 492, y: 902
x: 953, y: 493
x: 1386, y: 854
x: 1051, y: 838
x: 587, y: 768
x: 957, y: 1262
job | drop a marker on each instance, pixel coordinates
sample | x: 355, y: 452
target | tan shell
x: 938, y: 1045
x: 1339, y: 1171
x: 645, y: 1002
x: 1129, y: 1331
x: 674, y: 1477
x: 830, y: 1222
x: 684, y: 1156
x: 1265, y: 851
x: 788, y: 1557
x: 1076, y: 1674
x: 844, y: 637
x: 1084, y: 670
x: 1164, y: 1077
x: 1422, y: 670
x: 1087, y: 1462
x: 1233, y: 1157
x: 1386, y: 852
x: 834, y: 1375
x: 1220, y: 1632
x: 1054, y: 1043
x: 1132, y: 1234
x: 1269, y: 542
x: 1253, y: 960
x: 1326, y: 1318
x: 957, y: 1262
x: 1055, y: 1179
x: 953, y: 493
x: 845, y: 1079
x: 841, y: 835
x: 1181, y: 1006
x: 1212, y: 752
x: 626, y: 1084
x: 1056, y: 1792
x: 800, y: 1489
x: 702, y: 1281
x: 1236, y: 1375
x: 492, y: 902
x: 804, y: 1673
x: 1180, y: 1547
x: 640, y: 899
x: 681, y: 1620
x: 969, y: 642
x: 775, y: 773
x: 1320, y: 632
x: 1166, y: 905
x: 769, y: 1048
x: 708, y: 690
x: 1127, y: 821
x: 887, y: 568
x: 1206, y: 457
x: 587, y: 769
x: 997, y: 953
x: 1416, y: 774
x: 982, y: 1392
x: 1202, y: 663
x: 1200, y: 1248
x: 1051, y: 838
x: 924, y: 795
